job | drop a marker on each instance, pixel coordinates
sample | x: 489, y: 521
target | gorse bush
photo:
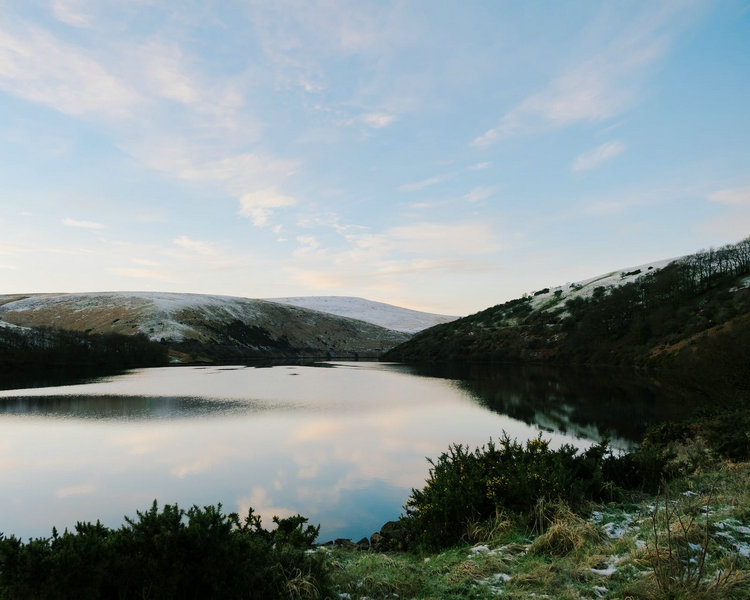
x: 508, y: 477
x: 168, y: 553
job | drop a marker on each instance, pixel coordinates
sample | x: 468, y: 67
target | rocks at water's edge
x: 390, y: 538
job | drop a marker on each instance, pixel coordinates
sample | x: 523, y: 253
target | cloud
x: 77, y: 490
x: 598, y: 156
x: 37, y: 67
x: 419, y: 185
x: 478, y: 194
x: 378, y: 120
x: 456, y: 239
x: 204, y: 248
x: 155, y: 274
x: 163, y: 66
x: 253, y: 178
x: 259, y: 205
x: 604, y: 82
x: 480, y: 166
x: 732, y: 196
x: 72, y: 12
x: 83, y: 224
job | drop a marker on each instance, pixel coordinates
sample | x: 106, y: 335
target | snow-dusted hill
x: 553, y: 297
x: 217, y: 324
x: 378, y: 313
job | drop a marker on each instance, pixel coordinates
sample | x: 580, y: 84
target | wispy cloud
x: 205, y: 248
x: 76, y: 490
x: 420, y: 185
x: 72, y: 12
x: 479, y: 193
x: 252, y: 178
x: 601, y: 85
x: 38, y: 67
x: 137, y: 273
x: 260, y: 205
x: 378, y: 120
x: 732, y: 196
x: 83, y: 224
x: 596, y: 157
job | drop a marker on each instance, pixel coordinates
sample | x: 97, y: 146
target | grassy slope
x: 610, y: 554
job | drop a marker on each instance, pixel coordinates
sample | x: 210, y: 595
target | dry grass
x: 483, y: 532
x: 566, y: 534
x: 301, y: 586
x: 475, y: 569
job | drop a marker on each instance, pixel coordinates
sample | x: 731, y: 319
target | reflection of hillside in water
x: 43, y: 377
x: 586, y: 403
x: 121, y: 407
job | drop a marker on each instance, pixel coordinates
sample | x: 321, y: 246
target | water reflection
x: 620, y: 404
x: 342, y: 445
x: 123, y: 407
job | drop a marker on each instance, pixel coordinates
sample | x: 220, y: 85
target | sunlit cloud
x: 462, y: 239
x: 82, y: 224
x: 76, y: 490
x: 732, y: 196
x: 259, y: 206
x: 136, y: 273
x: 200, y: 247
x: 598, y: 156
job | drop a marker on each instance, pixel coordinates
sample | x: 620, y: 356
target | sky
x: 441, y: 156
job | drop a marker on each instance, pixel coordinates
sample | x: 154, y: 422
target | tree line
x: 25, y: 349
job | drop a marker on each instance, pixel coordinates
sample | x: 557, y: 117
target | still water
x: 341, y: 443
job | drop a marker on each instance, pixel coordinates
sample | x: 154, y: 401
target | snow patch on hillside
x: 377, y: 313
x: 557, y: 296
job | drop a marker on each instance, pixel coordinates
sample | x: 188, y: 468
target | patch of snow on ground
x: 585, y: 288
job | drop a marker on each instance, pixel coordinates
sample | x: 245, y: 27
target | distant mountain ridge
x: 378, y: 313
x: 198, y: 327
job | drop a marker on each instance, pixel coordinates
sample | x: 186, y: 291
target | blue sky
x: 444, y: 156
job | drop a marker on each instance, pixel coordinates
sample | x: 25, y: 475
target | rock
x: 345, y: 543
x: 390, y: 537
x: 363, y: 544
x: 376, y: 541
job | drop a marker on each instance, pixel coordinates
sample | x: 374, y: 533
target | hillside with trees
x: 45, y: 349
x: 691, y: 317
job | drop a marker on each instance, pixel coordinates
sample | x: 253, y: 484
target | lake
x: 342, y: 443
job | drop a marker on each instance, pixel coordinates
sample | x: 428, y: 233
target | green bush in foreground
x: 172, y: 553
x: 508, y: 477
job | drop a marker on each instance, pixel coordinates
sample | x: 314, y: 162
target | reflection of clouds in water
x: 320, y: 429
x: 262, y: 504
x: 194, y: 467
x: 346, y: 457
x: 143, y: 442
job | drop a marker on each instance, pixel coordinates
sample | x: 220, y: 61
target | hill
x: 203, y: 327
x: 378, y: 313
x: 691, y: 314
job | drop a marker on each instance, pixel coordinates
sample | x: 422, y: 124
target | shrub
x: 505, y: 477
x: 172, y: 553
